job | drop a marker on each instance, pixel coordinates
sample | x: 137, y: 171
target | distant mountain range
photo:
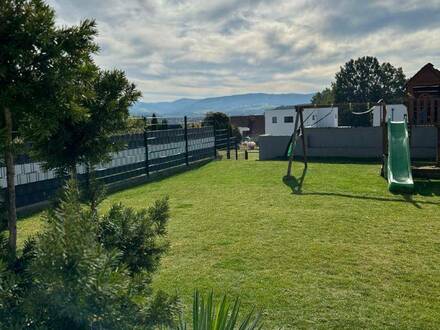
x: 244, y: 104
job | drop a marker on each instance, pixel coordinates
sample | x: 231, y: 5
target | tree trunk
x: 73, y: 173
x: 10, y: 178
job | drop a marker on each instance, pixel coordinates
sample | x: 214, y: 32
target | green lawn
x: 342, y: 253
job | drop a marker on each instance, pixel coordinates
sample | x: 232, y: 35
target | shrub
x: 87, y: 271
x: 137, y: 235
x: 80, y: 274
x: 15, y: 283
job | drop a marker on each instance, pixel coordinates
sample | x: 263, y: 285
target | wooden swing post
x: 299, y: 121
x: 303, y: 137
x: 384, y: 130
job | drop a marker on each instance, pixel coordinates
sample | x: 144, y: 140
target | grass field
x: 341, y: 252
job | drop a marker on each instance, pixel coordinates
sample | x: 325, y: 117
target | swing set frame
x: 299, y: 131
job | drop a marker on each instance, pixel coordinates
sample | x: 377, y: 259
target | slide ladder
x: 398, y: 164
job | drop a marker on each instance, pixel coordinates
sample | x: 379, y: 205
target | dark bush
x: 88, y: 272
x: 139, y: 236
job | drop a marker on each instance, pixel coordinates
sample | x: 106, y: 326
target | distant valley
x: 244, y: 104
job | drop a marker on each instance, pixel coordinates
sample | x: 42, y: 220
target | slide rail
x: 398, y: 162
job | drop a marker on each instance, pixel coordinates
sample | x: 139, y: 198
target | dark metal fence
x: 153, y: 146
x: 226, y: 143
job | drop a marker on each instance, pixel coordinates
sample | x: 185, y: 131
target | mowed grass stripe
x: 345, y: 253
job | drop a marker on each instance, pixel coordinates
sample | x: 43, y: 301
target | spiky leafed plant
x: 208, y: 315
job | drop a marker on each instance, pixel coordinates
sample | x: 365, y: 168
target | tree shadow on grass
x: 424, y: 189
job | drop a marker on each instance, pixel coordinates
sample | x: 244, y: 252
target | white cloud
x: 196, y: 48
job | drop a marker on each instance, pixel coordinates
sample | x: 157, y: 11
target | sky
x: 200, y: 48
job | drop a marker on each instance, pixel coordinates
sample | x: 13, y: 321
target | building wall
x: 321, y: 117
x: 324, y: 117
x: 356, y: 142
x: 426, y: 76
x: 395, y: 112
x: 316, y: 117
x: 309, y: 116
x: 280, y: 128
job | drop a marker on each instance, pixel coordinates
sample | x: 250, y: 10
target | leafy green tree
x: 37, y: 63
x: 164, y: 124
x: 366, y: 80
x: 154, y: 123
x: 362, y: 81
x: 86, y: 136
x: 94, y: 191
x: 235, y: 132
x: 325, y: 97
x: 219, y: 119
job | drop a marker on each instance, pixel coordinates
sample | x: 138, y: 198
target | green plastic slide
x: 398, y: 163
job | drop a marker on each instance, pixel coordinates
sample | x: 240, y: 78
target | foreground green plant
x: 86, y: 271
x: 208, y: 315
x: 139, y: 236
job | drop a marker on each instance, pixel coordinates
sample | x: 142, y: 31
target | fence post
x: 228, y: 151
x: 186, y: 141
x: 147, y: 165
x: 236, y: 148
x: 215, y: 140
x: 438, y: 146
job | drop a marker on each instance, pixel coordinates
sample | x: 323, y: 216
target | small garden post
x: 186, y: 141
x: 215, y: 140
x: 384, y: 129
x: 228, y: 150
x: 147, y: 165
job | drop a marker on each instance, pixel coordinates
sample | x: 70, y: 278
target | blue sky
x: 199, y: 48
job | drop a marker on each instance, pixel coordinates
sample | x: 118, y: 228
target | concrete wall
x: 356, y: 142
x: 424, y: 142
x: 272, y: 147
